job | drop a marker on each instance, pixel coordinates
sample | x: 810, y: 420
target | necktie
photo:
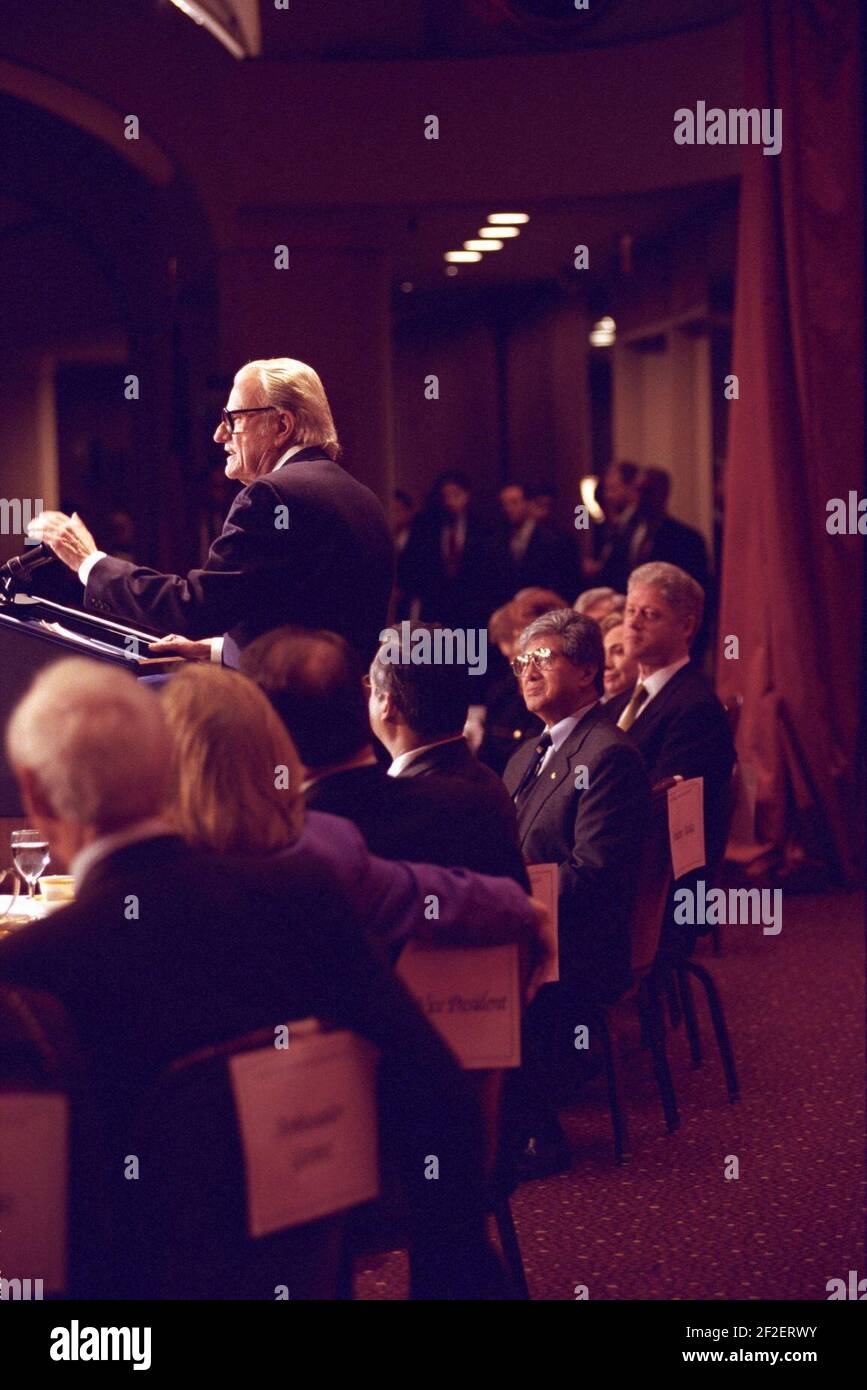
x: 534, y: 766
x: 630, y: 713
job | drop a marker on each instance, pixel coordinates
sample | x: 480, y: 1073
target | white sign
x: 686, y: 826
x: 472, y: 996
x: 307, y: 1115
x: 545, y: 885
x: 34, y: 1165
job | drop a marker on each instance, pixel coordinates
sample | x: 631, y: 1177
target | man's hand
x: 172, y: 645
x: 67, y: 536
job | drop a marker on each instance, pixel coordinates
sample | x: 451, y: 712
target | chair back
x: 49, y: 1156
x: 654, y: 881
x: 211, y: 1216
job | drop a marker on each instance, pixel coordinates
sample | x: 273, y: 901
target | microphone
x: 19, y: 566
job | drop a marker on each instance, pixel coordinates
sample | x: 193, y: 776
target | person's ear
x: 36, y: 804
x: 285, y: 426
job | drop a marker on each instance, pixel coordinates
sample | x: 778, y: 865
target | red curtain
x: 791, y: 592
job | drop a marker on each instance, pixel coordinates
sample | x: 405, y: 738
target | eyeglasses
x: 542, y: 657
x: 229, y: 415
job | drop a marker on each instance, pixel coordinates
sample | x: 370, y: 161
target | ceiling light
x: 463, y: 256
x: 489, y: 244
x: 407, y: 286
x: 603, y: 333
x: 502, y: 219
x: 451, y: 270
x: 504, y: 232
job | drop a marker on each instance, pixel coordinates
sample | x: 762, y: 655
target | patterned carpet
x: 668, y: 1224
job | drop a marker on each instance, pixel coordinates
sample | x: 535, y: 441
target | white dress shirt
x: 562, y: 729
x: 657, y: 680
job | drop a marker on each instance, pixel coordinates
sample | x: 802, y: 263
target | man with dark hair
x: 314, y: 681
x: 418, y: 711
x: 619, y: 493
x: 453, y: 567
x: 582, y: 798
x: 540, y: 555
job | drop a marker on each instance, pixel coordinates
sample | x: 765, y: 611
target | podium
x: 34, y: 632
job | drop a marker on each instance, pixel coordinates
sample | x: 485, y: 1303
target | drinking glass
x: 30, y: 856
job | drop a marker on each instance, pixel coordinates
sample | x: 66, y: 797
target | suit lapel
x: 659, y: 704
x: 556, y: 770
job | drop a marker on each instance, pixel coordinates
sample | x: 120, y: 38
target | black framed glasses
x: 542, y: 657
x: 229, y: 415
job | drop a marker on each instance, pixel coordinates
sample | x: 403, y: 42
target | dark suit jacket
x: 327, y: 562
x: 214, y: 953
x: 551, y: 561
x: 466, y: 599
x: 684, y: 731
x: 595, y: 835
x: 432, y: 819
x: 479, y: 798
x: 678, y: 544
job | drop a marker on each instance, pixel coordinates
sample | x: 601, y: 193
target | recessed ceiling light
x: 500, y: 219
x: 503, y: 232
x: 489, y: 244
x: 451, y: 270
x: 407, y: 286
x: 463, y: 256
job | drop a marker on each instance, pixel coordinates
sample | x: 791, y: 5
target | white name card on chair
x: 545, y: 885
x: 472, y: 996
x: 686, y: 826
x: 307, y: 1116
x: 34, y: 1168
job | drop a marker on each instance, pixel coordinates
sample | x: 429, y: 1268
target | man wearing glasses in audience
x: 582, y: 799
x: 304, y: 542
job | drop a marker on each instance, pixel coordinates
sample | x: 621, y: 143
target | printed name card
x: 307, y: 1116
x: 472, y: 996
x: 34, y: 1165
x: 545, y: 885
x: 686, y: 826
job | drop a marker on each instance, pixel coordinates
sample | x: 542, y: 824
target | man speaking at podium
x: 304, y: 542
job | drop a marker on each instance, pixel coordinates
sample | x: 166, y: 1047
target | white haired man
x: 304, y: 542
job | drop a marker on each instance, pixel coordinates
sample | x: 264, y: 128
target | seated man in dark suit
x: 304, y: 541
x: 583, y: 799
x: 168, y: 949
x: 418, y: 712
x: 314, y: 681
x: 672, y: 714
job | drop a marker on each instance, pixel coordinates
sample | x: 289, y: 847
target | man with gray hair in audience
x: 598, y: 603
x: 582, y: 799
x: 672, y: 714
x: 304, y: 542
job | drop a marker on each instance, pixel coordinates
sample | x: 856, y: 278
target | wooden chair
x: 654, y: 880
